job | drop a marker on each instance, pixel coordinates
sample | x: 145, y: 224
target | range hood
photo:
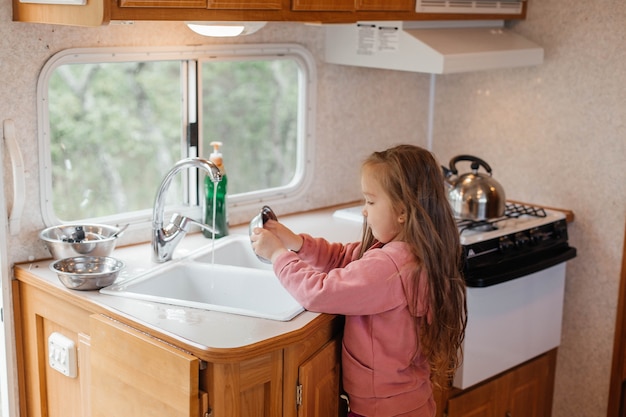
x: 430, y: 47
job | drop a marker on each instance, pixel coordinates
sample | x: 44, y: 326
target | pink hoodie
x: 379, y: 340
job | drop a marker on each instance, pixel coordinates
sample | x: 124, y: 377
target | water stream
x: 213, y: 232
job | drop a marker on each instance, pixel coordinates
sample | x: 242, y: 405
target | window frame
x: 201, y: 54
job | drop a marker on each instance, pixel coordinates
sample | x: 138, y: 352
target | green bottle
x: 216, y: 194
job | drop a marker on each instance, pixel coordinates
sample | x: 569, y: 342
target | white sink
x: 232, y: 250
x: 238, y: 282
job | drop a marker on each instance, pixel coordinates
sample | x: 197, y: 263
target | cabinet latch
x: 299, y: 394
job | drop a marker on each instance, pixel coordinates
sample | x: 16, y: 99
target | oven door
x: 510, y: 323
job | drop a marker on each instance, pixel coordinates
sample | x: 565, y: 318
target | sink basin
x: 230, y: 289
x: 234, y: 250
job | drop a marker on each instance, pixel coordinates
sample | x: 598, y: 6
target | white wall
x: 554, y: 135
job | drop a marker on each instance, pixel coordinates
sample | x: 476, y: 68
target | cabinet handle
x: 508, y: 414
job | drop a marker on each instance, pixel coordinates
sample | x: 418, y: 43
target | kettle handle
x: 476, y: 162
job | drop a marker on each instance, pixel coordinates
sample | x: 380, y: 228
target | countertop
x: 201, y: 331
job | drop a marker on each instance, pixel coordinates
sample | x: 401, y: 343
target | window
x: 113, y: 122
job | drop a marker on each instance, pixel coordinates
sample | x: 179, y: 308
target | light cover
x: 225, y: 29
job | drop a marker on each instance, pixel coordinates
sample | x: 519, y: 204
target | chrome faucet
x: 165, y: 238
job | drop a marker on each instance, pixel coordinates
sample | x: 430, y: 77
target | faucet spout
x: 166, y: 238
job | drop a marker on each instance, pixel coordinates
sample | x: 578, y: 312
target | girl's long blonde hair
x: 414, y: 182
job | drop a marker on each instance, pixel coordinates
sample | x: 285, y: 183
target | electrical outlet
x: 62, y: 354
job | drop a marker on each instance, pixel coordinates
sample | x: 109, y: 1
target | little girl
x: 400, y: 288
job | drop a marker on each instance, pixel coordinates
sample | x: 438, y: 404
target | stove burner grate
x: 511, y: 211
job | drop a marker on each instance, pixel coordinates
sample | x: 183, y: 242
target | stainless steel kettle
x: 474, y: 195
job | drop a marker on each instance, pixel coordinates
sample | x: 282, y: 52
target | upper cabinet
x: 354, y: 5
x: 205, y: 4
x: 99, y: 12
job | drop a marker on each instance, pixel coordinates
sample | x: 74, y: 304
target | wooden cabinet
x: 250, y: 387
x: 120, y: 371
x: 525, y: 391
x: 134, y: 374
x: 124, y: 370
x: 323, y: 5
x: 354, y: 5
x: 205, y: 4
x: 245, y: 4
x: 317, y: 392
x: 178, y: 4
x: 99, y: 12
x: 43, y: 390
x: 386, y: 5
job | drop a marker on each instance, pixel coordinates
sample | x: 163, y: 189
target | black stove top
x: 511, y: 211
x: 525, y: 240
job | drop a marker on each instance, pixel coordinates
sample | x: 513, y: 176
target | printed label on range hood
x: 430, y: 47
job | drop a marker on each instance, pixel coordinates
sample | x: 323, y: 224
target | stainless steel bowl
x: 259, y: 220
x: 87, y: 272
x: 66, y: 241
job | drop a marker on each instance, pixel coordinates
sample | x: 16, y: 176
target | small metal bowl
x: 87, y: 272
x: 259, y: 220
x: 66, y: 241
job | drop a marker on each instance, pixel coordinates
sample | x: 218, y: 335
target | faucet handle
x: 182, y: 222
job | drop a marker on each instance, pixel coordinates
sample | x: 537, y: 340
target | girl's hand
x: 289, y: 239
x: 266, y: 244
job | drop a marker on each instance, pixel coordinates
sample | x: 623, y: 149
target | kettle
x: 473, y: 195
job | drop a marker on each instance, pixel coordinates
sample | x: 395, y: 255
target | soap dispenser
x: 216, y: 197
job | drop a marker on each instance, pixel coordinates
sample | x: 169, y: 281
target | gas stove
x: 524, y: 240
x: 514, y: 268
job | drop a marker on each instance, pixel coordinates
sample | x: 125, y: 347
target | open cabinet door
x: 9, y: 392
x: 133, y: 374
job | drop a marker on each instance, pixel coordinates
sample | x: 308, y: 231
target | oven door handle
x: 506, y: 271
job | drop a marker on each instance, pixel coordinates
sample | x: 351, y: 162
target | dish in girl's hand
x: 259, y: 220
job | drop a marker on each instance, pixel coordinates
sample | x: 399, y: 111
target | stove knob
x: 521, y: 239
x: 505, y: 244
x: 560, y: 230
x: 535, y: 236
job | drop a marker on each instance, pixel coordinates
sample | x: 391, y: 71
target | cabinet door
x: 245, y: 4
x: 133, y: 374
x: 178, y: 4
x: 352, y: 5
x: 481, y: 401
x: 530, y: 390
x: 386, y: 5
x: 319, y: 383
x: 249, y: 388
x: 525, y: 391
x: 323, y: 5
x: 204, y: 4
x: 91, y: 14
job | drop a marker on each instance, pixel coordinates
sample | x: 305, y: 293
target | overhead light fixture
x: 225, y: 29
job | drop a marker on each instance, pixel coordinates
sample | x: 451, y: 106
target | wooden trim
x: 618, y: 373
x: 286, y: 14
x: 18, y: 318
